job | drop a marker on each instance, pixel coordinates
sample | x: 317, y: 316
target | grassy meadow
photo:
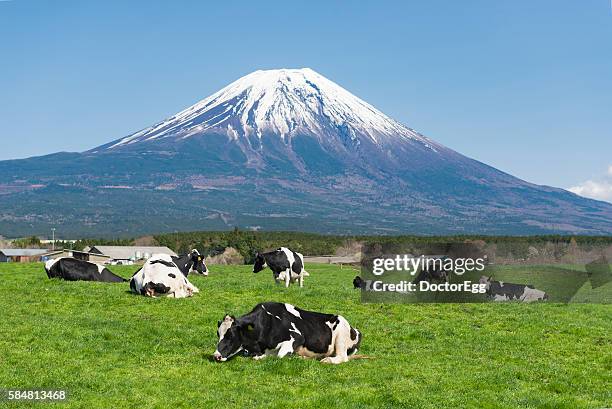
x: 111, y: 349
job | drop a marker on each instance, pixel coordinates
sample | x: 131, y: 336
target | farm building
x: 79, y: 255
x: 25, y: 255
x: 128, y: 254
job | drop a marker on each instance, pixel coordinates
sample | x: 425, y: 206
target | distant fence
x: 332, y: 259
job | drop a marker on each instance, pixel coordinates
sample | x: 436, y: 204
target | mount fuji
x: 283, y: 149
x: 275, y: 118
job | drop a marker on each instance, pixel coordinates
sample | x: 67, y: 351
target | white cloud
x: 596, y: 189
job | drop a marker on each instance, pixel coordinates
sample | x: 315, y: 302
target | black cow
x: 71, y: 269
x: 278, y: 329
x: 191, y: 262
x: 501, y: 291
x: 286, y: 265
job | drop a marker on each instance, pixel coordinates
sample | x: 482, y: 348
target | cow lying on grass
x: 161, y: 276
x: 432, y: 274
x: 276, y: 329
x: 287, y: 265
x: 501, y: 291
x: 71, y: 269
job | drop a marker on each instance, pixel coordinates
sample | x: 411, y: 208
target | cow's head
x: 486, y: 281
x: 197, y: 263
x: 260, y: 263
x: 231, y: 336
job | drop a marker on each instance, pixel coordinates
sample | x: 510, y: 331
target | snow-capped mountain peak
x: 282, y: 102
x: 285, y: 150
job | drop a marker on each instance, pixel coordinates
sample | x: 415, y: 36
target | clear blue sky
x: 525, y: 86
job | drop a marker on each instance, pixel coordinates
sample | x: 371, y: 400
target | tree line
x: 248, y: 243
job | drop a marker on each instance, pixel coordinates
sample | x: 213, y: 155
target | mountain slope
x: 282, y: 149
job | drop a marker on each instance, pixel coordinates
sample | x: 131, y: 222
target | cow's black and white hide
x: 72, y: 269
x: 191, y: 262
x: 502, y: 291
x: 431, y: 274
x: 276, y: 329
x: 161, y: 276
x: 287, y: 265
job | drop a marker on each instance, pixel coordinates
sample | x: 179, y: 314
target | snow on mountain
x: 282, y: 102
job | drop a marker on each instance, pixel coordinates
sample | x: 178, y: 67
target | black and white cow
x: 161, y: 276
x: 358, y: 282
x: 276, y: 329
x: 71, y: 269
x: 501, y: 291
x: 191, y: 262
x: 286, y: 265
x: 432, y: 271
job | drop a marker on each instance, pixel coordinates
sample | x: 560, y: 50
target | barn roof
x: 24, y: 252
x: 127, y: 252
x: 87, y: 253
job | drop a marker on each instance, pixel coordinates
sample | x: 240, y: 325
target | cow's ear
x: 218, y: 324
x: 246, y: 326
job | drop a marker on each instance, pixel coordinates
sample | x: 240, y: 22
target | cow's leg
x: 266, y: 354
x: 288, y: 277
x: 279, y: 277
x: 285, y: 348
x: 182, y: 291
x: 340, y: 353
x: 301, y: 280
x: 192, y: 288
x: 340, y: 345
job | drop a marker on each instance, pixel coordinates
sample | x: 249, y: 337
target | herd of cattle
x: 271, y: 328
x: 167, y: 275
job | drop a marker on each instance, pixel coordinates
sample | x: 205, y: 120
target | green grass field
x: 112, y: 349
